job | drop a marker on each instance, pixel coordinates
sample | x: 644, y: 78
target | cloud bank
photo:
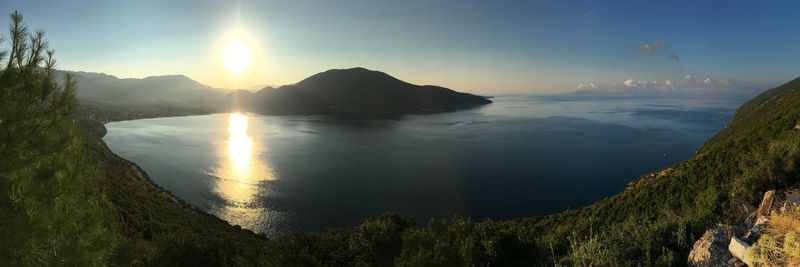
x: 686, y: 84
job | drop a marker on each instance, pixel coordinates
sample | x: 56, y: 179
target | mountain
x: 355, y: 91
x: 150, y: 90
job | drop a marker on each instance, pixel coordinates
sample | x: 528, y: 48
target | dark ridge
x: 356, y: 91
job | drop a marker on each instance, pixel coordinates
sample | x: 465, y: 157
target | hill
x: 657, y: 218
x: 355, y: 91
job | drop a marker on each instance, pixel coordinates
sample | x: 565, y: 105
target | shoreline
x: 92, y: 133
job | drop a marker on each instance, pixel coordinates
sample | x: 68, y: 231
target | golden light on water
x: 239, y: 146
x: 240, y: 172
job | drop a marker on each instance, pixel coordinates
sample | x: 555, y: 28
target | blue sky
x: 477, y: 46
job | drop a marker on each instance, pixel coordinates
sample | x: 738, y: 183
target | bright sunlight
x: 237, y: 57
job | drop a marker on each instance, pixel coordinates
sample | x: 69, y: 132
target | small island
x: 355, y: 91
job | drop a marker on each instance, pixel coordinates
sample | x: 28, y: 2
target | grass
x: 779, y: 245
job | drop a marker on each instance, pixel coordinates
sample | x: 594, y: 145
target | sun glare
x: 240, y: 145
x: 242, y: 166
x: 240, y: 172
x: 237, y: 57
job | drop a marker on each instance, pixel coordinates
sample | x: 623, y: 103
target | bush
x: 778, y: 166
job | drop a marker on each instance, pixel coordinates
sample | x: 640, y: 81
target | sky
x: 473, y: 46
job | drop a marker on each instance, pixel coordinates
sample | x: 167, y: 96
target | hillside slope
x: 655, y: 220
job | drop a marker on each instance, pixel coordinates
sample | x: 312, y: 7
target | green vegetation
x: 51, y: 212
x: 67, y: 200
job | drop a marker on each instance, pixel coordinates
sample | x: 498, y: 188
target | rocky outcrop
x: 731, y: 246
x: 792, y: 199
x: 740, y: 250
x: 766, y: 204
x: 712, y: 248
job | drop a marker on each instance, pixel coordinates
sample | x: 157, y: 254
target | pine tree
x: 50, y: 211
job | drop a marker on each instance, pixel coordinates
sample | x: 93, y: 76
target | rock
x: 755, y: 231
x: 739, y: 249
x: 748, y: 222
x: 711, y: 249
x: 766, y: 204
x: 792, y: 199
x: 736, y: 262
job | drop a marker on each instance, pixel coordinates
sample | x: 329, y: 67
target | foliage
x: 50, y: 212
x: 588, y: 251
x: 461, y: 242
x: 777, y: 166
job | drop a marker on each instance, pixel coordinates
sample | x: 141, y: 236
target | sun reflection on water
x: 239, y: 174
x: 239, y: 147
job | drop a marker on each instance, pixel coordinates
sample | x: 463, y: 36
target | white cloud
x: 668, y: 85
x: 688, y: 83
x: 689, y: 79
x: 629, y: 83
x: 585, y: 86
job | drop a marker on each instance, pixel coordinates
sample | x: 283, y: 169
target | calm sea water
x: 520, y: 156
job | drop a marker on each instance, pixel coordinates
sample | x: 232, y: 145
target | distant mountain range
x: 355, y: 91
x: 155, y: 89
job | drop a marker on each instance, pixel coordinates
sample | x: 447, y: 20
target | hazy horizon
x: 535, y: 47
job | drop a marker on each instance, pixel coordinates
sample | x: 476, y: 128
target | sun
x: 236, y: 57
